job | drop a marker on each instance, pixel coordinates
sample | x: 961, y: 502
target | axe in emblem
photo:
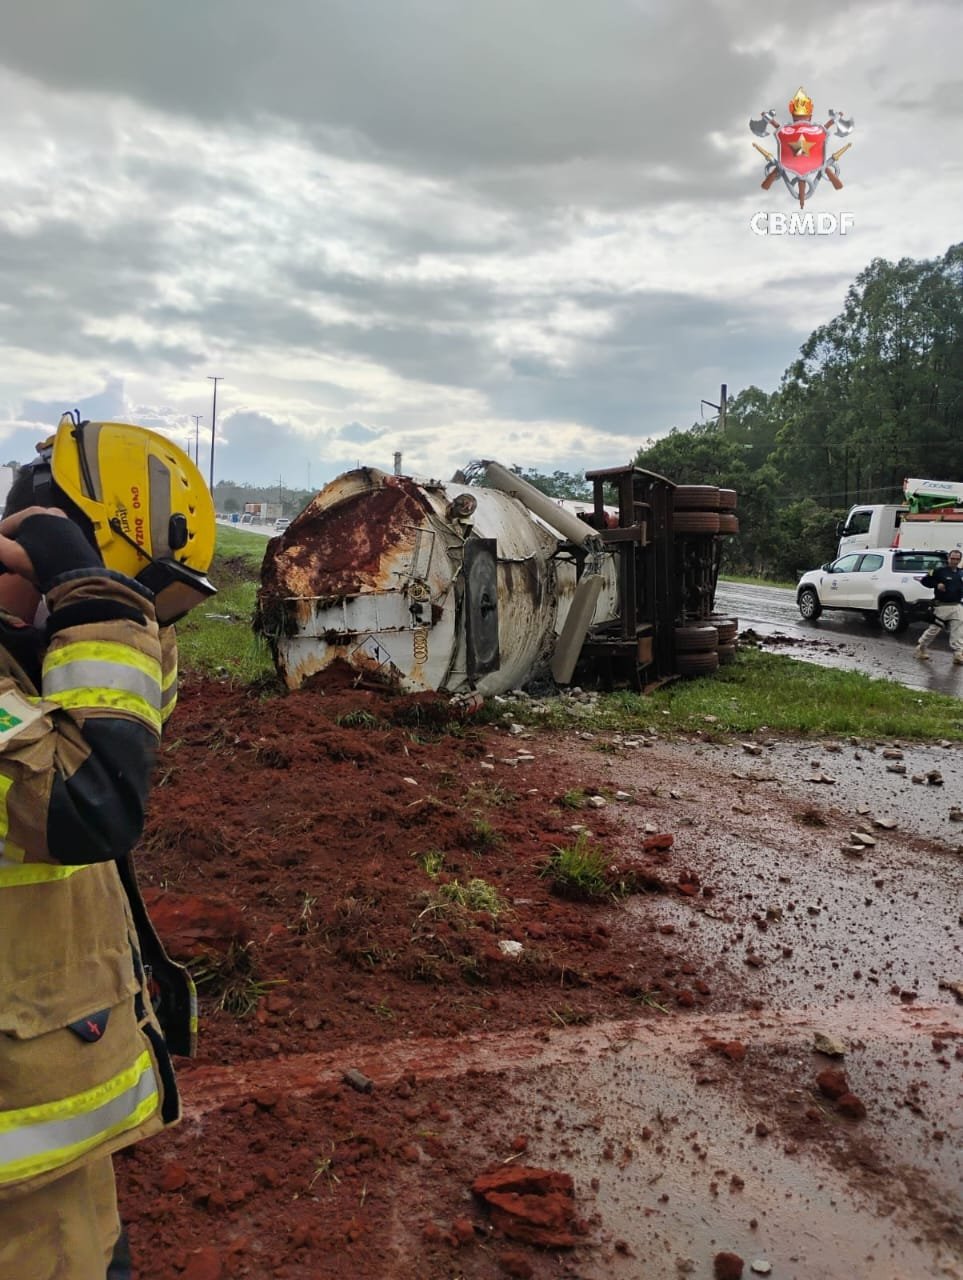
x: 844, y: 124
x: 760, y: 126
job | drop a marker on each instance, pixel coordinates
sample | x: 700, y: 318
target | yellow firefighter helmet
x: 151, y: 513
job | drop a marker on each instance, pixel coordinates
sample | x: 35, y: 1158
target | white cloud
x: 526, y: 223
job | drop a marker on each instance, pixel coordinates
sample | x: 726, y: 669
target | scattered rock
x: 514, y: 1263
x: 529, y: 1204
x: 833, y: 1083
x: 896, y: 768
x: 751, y: 748
x: 194, y: 926
x: 863, y: 838
x: 886, y: 824
x: 828, y: 1045
x: 851, y: 1106
x: 955, y: 987
x: 934, y: 778
x: 358, y: 1080
x: 760, y: 1266
x: 734, y: 1050
x: 727, y: 1266
x: 892, y: 753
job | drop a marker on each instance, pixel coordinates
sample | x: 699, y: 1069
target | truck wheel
x: 892, y: 617
x: 695, y: 522
x: 726, y: 625
x: 696, y: 497
x: 809, y: 605
x: 696, y: 664
x: 698, y: 638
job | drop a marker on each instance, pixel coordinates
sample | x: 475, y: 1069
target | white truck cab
x: 873, y: 525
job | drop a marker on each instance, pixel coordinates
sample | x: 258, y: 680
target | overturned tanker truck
x: 484, y: 583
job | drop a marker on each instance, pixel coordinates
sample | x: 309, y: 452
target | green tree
x: 560, y: 484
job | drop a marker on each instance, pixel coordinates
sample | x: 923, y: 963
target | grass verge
x: 216, y: 639
x: 766, y: 690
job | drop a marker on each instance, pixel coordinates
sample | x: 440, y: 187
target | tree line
x: 874, y: 396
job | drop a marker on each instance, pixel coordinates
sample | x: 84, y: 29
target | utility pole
x: 215, y: 380
x: 197, y: 438
x: 721, y: 406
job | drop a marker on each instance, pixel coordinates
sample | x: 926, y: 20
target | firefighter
x: 104, y: 544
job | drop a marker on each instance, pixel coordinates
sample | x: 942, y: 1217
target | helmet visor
x: 177, y: 589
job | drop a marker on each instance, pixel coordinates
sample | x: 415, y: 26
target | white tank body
x: 433, y: 586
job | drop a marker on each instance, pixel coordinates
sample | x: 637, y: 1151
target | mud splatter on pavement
x: 314, y: 851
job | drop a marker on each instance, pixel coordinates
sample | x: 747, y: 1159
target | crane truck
x: 929, y: 519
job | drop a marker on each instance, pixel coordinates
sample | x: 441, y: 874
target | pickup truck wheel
x: 892, y: 617
x: 809, y: 606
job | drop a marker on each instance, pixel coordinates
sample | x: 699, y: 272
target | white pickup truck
x: 883, y: 583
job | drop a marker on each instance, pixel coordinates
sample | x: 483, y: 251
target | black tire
x: 808, y: 602
x: 727, y: 627
x: 696, y: 497
x: 727, y: 653
x: 696, y: 664
x: 728, y: 523
x: 699, y: 637
x: 727, y: 499
x: 695, y: 522
x: 892, y: 616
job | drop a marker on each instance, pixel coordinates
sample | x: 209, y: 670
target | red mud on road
x: 296, y: 852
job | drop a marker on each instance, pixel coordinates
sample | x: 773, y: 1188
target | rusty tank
x: 482, y: 587
x: 430, y: 585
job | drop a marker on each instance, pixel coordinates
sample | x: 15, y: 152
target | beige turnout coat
x: 84, y: 1069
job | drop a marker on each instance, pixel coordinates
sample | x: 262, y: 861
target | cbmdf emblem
x: 803, y: 158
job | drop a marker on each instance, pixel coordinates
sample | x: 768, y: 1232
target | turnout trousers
x: 63, y: 1230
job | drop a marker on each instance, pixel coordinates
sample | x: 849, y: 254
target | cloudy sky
x: 456, y: 228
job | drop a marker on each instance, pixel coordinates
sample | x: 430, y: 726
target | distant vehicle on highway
x: 246, y: 518
x: 281, y: 524
x: 883, y: 583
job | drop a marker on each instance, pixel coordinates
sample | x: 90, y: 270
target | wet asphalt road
x: 838, y: 639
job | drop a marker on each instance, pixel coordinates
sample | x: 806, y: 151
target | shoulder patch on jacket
x: 16, y: 714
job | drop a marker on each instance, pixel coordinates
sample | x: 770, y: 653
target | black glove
x: 55, y: 546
